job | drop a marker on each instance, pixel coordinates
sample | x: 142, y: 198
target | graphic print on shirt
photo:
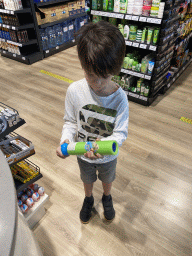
x: 96, y: 121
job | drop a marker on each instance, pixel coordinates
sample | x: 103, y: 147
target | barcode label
x: 14, y: 55
x: 23, y: 58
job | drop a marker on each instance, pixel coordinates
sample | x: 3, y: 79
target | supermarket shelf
x: 59, y: 48
x: 25, y: 10
x: 31, y: 25
x: 143, y: 19
x: 13, y: 128
x: 50, y: 2
x: 187, y: 38
x: 141, y: 45
x: 36, y: 213
x: 108, y: 14
x: 34, y: 41
x: 142, y: 100
x: 28, y: 59
x: 137, y: 74
x: 177, y: 74
x: 62, y: 20
x: 127, y: 16
x: 20, y: 186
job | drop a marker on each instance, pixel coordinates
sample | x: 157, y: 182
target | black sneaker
x: 109, y: 212
x: 85, y: 213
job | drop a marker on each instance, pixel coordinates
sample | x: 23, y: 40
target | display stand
x: 33, y: 49
x: 8, y: 139
x: 160, y: 79
x: 36, y: 213
x: 28, y: 48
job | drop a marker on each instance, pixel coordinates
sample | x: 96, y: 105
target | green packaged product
x: 132, y: 36
x: 155, y: 36
x: 134, y: 64
x: 139, y: 82
x: 99, y: 5
x: 130, y: 63
x: 142, y: 89
x: 133, y: 28
x: 149, y: 35
x: 121, y: 28
x: 144, y: 66
x: 143, y: 38
x: 94, y: 4
x: 123, y: 6
x: 125, y: 62
x: 105, y: 5
x: 146, y: 91
x: 110, y: 5
x: 138, y: 67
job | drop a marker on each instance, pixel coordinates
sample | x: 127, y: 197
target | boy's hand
x: 58, y: 150
x: 91, y: 154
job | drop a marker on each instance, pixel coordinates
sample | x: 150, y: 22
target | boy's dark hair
x: 101, y: 48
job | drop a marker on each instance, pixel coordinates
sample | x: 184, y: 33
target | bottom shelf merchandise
x: 133, y: 84
x: 28, y: 197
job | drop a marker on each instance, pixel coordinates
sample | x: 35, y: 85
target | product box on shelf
x: 16, y: 148
x: 51, y: 14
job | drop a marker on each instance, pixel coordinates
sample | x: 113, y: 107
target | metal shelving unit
x: 163, y: 50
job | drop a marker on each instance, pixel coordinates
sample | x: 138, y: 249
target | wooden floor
x: 152, y: 192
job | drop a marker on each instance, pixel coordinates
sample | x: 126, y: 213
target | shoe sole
x: 107, y: 219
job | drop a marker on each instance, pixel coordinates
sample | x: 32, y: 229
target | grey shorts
x: 88, y: 171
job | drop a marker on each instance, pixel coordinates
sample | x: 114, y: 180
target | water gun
x: 108, y: 147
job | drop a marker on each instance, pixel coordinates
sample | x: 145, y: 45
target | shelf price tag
x: 136, y: 44
x: 47, y: 51
x: 147, y: 77
x: 128, y: 17
x: 4, y: 52
x: 178, y: 75
x: 143, y: 19
x: 143, y: 98
x: 136, y: 18
x: 14, y: 28
x: 150, y: 20
x: 129, y: 43
x: 157, y: 21
x: 23, y: 58
x: 126, y: 92
x: 143, y: 46
x: 174, y: 79
x: 14, y: 55
x: 168, y: 85
x: 57, y: 47
x: 11, y: 12
x: 152, y: 48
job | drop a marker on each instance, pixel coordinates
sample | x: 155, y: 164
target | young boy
x: 97, y: 108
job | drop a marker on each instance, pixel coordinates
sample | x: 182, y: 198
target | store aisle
x: 152, y: 191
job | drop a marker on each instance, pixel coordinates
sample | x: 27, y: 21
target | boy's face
x: 97, y: 84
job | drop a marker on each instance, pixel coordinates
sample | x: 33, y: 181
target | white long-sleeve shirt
x: 89, y: 116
